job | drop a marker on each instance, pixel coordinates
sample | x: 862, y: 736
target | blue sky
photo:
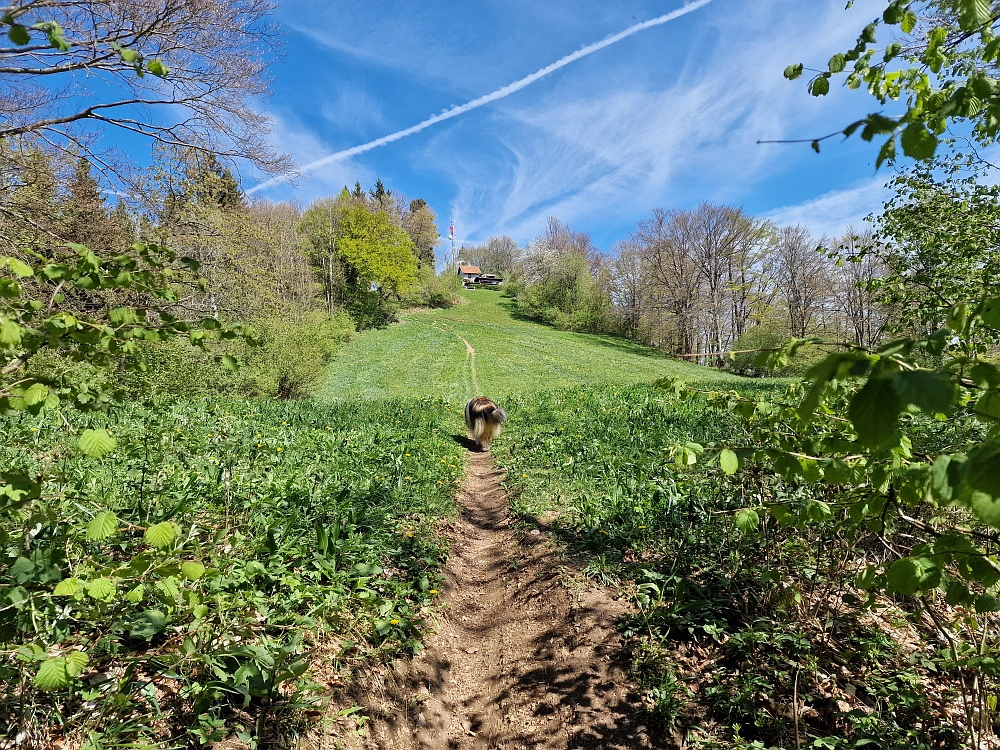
x: 668, y: 117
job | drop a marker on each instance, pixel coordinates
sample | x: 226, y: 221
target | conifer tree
x: 379, y: 193
x: 214, y: 183
x: 85, y: 215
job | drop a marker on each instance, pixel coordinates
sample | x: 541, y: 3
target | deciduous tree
x: 801, y: 271
x: 183, y: 73
x: 419, y: 221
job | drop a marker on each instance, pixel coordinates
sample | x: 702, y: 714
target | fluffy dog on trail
x: 483, y: 418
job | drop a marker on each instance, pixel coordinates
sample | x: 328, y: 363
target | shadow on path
x: 466, y: 442
x: 519, y: 661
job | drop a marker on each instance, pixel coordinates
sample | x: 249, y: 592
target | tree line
x: 713, y: 283
x: 302, y: 277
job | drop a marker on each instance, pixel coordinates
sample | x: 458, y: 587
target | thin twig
x: 795, y: 709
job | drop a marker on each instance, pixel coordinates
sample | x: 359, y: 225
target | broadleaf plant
x: 931, y: 63
x: 907, y: 434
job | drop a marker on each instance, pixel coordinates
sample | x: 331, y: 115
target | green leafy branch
x: 947, y: 73
x: 869, y: 453
x: 37, y: 312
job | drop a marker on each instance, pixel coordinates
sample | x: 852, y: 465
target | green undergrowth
x: 732, y: 622
x: 188, y: 586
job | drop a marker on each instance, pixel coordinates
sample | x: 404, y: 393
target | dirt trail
x: 518, y: 661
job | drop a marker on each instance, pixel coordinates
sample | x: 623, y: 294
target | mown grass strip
x: 425, y: 356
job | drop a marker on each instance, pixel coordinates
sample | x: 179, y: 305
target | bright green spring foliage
x: 734, y: 614
x: 211, y: 550
x: 861, y: 405
x: 905, y: 436
x: 936, y: 244
x: 92, y: 309
x: 941, y: 69
x: 375, y: 249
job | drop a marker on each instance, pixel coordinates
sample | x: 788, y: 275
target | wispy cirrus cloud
x: 641, y: 145
x: 302, y: 142
x: 353, y: 109
x: 501, y: 93
x: 830, y: 214
x: 669, y: 117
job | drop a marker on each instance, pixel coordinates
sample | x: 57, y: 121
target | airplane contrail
x: 487, y: 98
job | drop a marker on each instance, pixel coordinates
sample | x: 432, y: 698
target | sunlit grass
x: 425, y: 355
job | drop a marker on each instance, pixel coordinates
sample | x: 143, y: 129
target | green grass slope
x: 425, y: 355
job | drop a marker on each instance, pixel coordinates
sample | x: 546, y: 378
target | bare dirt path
x: 518, y: 660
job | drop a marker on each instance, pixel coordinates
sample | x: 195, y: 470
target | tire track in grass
x: 470, y: 359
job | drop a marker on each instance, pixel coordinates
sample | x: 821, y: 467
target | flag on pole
x: 452, y: 230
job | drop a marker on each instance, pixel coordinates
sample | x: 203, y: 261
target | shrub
x: 291, y: 358
x: 433, y: 290
x: 370, y: 310
x: 758, y: 337
x: 176, y: 370
x: 293, y: 354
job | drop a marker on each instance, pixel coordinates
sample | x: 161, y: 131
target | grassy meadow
x: 230, y: 560
x: 425, y: 355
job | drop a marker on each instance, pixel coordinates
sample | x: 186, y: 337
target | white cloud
x: 304, y: 145
x: 668, y: 119
x: 833, y: 212
x: 635, y: 145
x: 352, y: 108
x: 501, y: 93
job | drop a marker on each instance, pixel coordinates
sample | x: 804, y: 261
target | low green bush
x: 768, y: 337
x: 293, y: 355
x: 747, y: 344
x: 290, y: 358
x: 369, y: 310
x: 731, y: 620
x: 173, y: 369
x: 433, y: 290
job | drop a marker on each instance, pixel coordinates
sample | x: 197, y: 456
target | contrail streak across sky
x: 487, y: 98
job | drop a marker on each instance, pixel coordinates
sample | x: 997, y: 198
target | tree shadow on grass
x: 626, y: 346
x: 602, y: 339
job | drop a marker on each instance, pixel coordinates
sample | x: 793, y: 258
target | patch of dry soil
x: 518, y: 661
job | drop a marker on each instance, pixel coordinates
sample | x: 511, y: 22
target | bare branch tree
x: 803, y: 278
x: 186, y: 73
x: 864, y: 318
x: 678, y: 284
x: 630, y: 289
x: 498, y: 255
